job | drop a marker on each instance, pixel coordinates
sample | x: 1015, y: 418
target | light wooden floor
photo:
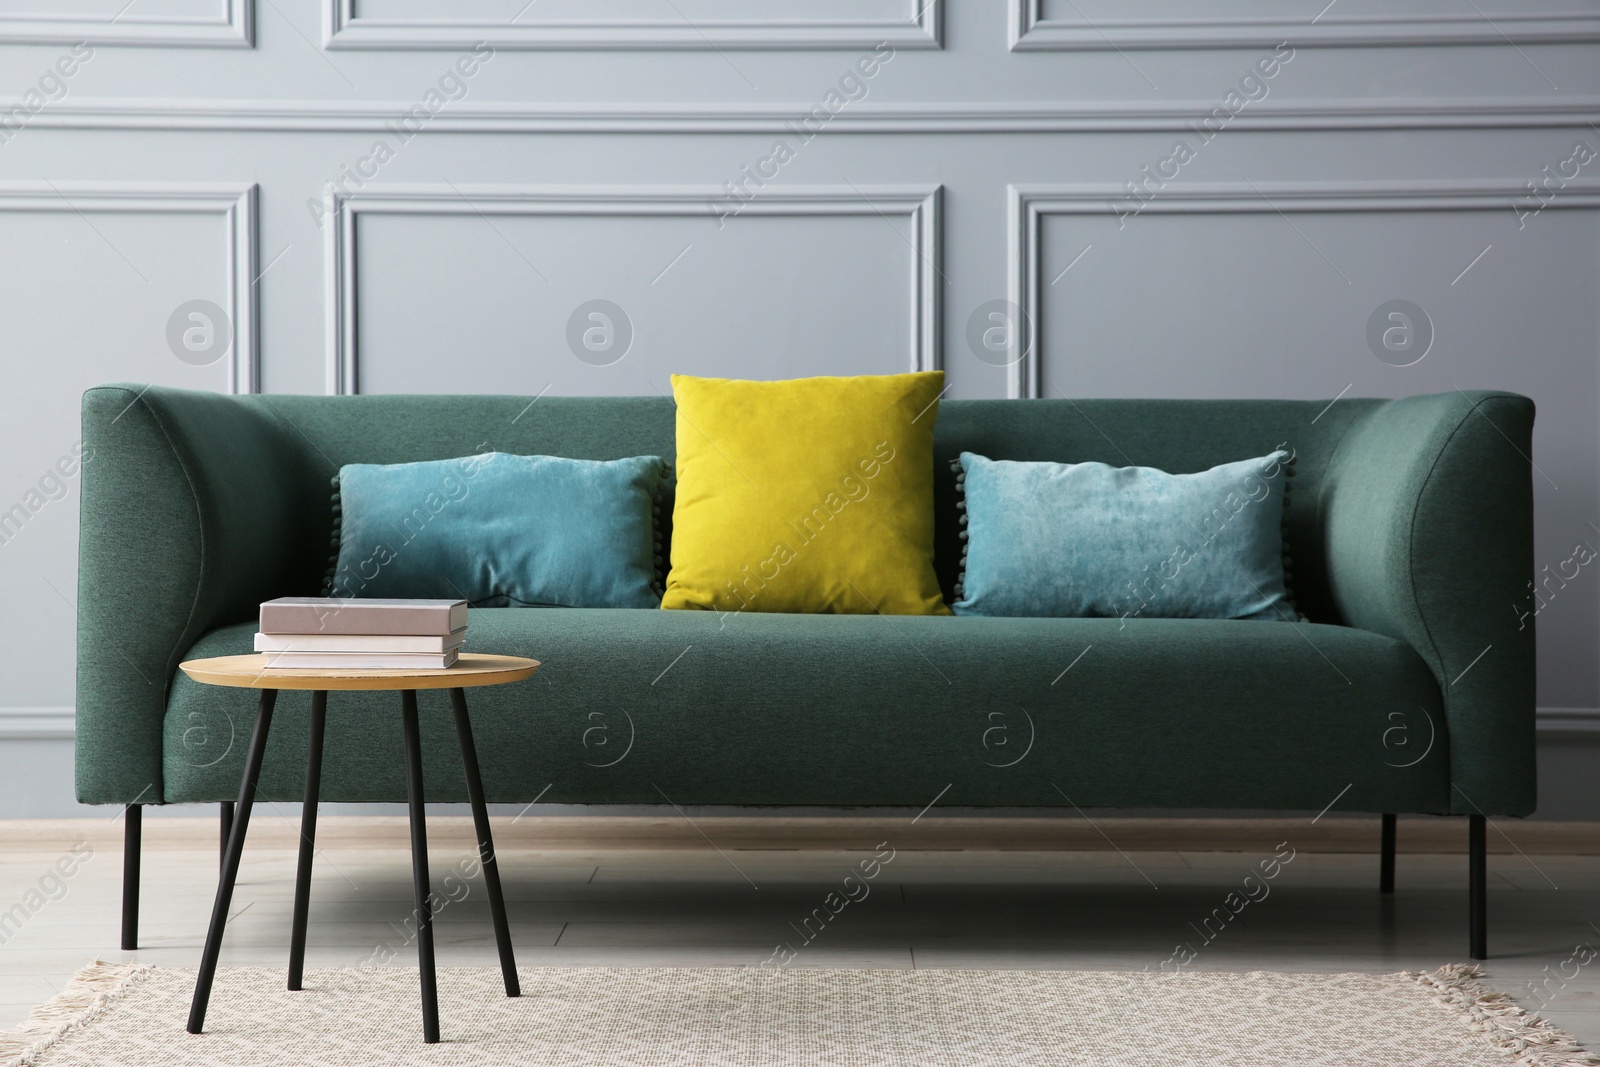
x: 1029, y: 893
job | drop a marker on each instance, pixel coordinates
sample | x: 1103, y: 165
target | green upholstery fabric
x: 1430, y: 540
x: 814, y: 709
x: 1409, y: 519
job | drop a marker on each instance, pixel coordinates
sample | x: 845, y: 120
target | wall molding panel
x: 1027, y: 205
x: 285, y: 116
x: 233, y: 26
x: 1031, y: 31
x: 917, y: 26
x: 238, y: 206
x: 37, y: 724
x: 1571, y: 723
x: 919, y: 206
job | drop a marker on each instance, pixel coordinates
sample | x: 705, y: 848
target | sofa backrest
x: 1173, y: 435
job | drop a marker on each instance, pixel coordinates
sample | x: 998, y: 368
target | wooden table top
x: 252, y: 672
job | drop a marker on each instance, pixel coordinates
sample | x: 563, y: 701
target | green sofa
x: 1409, y: 690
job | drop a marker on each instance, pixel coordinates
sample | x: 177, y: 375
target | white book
x: 362, y: 661
x: 359, y: 642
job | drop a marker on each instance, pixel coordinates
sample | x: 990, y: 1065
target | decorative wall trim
x: 920, y: 205
x: 1027, y: 204
x: 36, y: 724
x: 919, y: 27
x: 287, y: 116
x: 1030, y: 32
x: 234, y: 27
x: 1580, y: 723
x: 236, y: 204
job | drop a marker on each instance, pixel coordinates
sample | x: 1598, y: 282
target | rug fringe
x: 88, y: 994
x: 1497, y: 1016
x: 1532, y: 1040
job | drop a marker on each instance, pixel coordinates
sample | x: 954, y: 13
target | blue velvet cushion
x: 1085, y: 539
x: 499, y: 530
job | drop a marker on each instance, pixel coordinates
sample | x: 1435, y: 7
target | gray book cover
x: 349, y: 615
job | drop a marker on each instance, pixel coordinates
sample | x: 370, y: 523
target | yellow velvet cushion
x: 813, y: 495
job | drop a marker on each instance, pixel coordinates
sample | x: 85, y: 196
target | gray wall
x: 1335, y: 157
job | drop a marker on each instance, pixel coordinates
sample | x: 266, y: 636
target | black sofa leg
x: 1386, y: 856
x: 1478, y: 873
x: 227, y: 828
x: 132, y: 838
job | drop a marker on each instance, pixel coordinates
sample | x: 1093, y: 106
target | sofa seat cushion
x: 642, y: 706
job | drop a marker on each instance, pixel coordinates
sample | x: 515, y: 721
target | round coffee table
x: 252, y: 672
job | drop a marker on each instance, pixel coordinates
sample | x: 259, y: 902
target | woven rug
x: 134, y: 1015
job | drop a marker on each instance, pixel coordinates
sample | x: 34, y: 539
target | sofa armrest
x: 193, y: 510
x: 1427, y: 514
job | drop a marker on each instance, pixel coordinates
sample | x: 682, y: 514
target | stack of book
x: 340, y: 633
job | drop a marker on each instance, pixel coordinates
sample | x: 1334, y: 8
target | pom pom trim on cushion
x: 658, y: 579
x: 333, y: 542
x: 1289, y: 467
x: 961, y: 505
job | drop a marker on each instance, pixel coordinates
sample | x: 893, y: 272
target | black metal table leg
x: 308, y: 839
x: 1386, y: 856
x: 227, y: 828
x: 419, y: 866
x: 230, y: 863
x: 480, y: 818
x: 132, y: 839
